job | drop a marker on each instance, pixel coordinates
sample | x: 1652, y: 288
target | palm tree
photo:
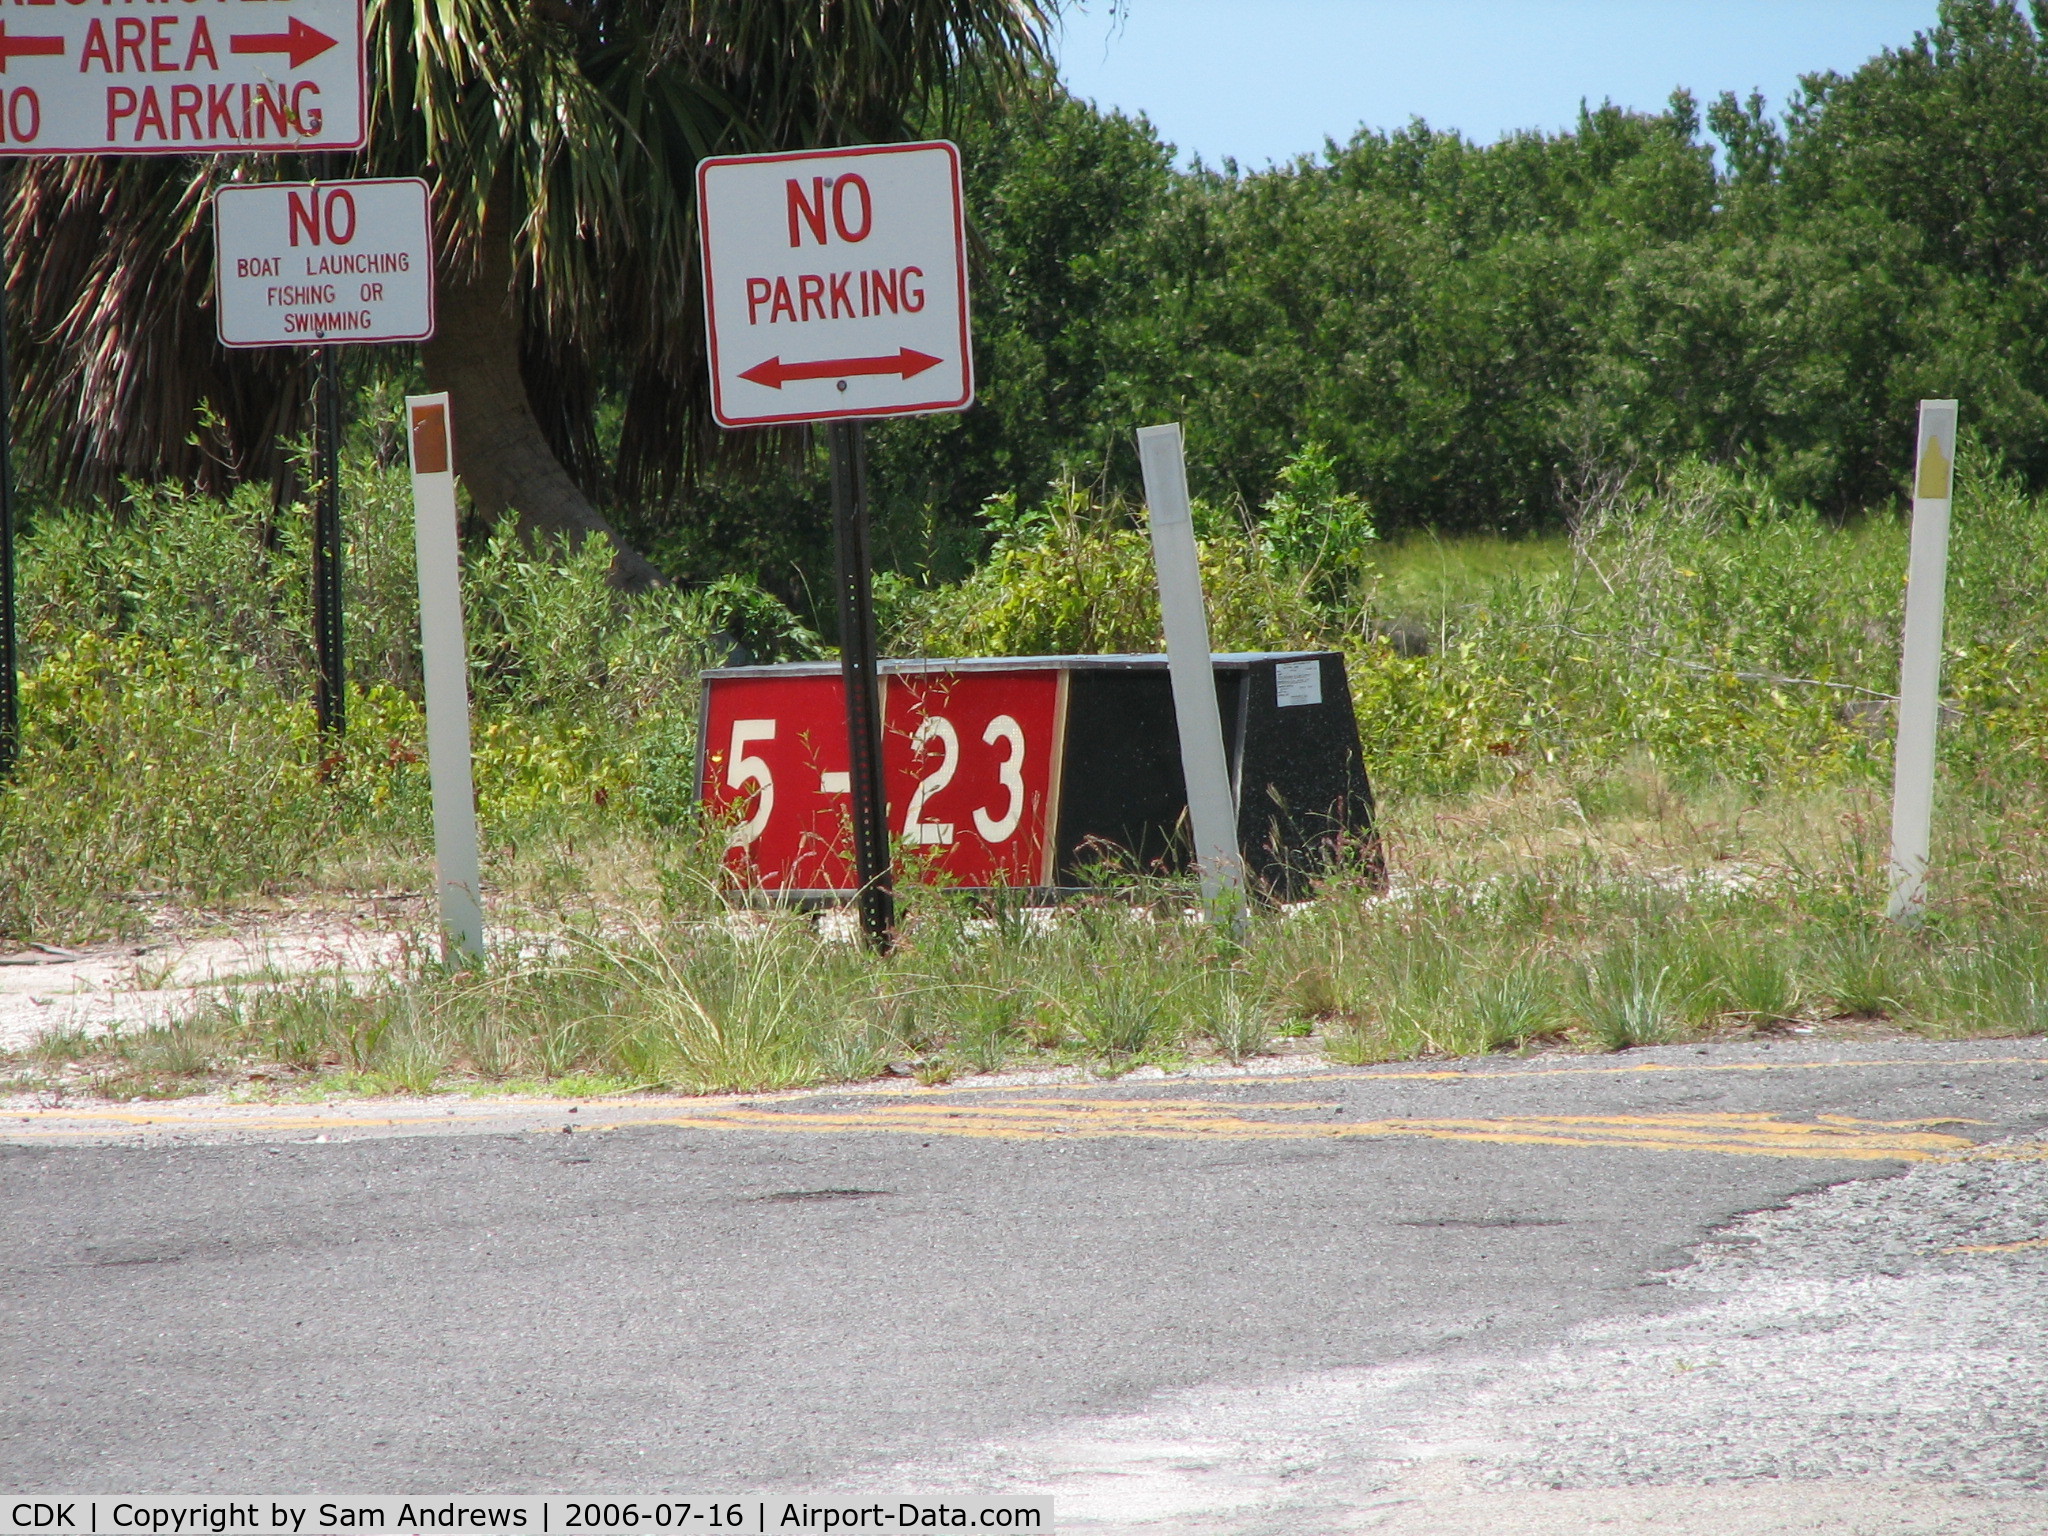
x: 560, y: 138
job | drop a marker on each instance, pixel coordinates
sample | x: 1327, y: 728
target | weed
x: 1625, y: 1003
x: 853, y: 1050
x: 1121, y: 1012
x: 1867, y: 971
x: 1361, y: 1043
x: 1237, y: 1024
x: 2000, y: 990
x: 1312, y: 994
x: 413, y: 1068
x: 1509, y: 1011
x: 991, y: 1026
x: 61, y: 1047
x: 1730, y: 969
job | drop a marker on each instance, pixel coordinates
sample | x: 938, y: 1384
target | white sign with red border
x: 304, y: 263
x: 198, y: 78
x: 835, y: 283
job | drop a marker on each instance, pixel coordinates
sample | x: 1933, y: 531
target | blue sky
x: 1265, y: 80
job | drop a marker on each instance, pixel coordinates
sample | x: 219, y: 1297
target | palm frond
x: 571, y: 128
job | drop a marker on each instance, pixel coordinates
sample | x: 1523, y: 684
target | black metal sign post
x: 385, y: 224
x: 10, y: 685
x: 330, y: 682
x: 857, y: 666
x: 763, y: 224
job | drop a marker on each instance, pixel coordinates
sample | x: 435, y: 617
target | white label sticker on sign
x: 1298, y: 682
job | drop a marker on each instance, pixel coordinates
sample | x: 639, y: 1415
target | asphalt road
x: 1514, y: 1296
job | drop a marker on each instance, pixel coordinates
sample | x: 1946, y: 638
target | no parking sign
x: 835, y: 288
x: 835, y: 283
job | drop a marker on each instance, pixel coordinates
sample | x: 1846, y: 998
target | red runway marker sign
x: 199, y: 77
x: 970, y: 759
x: 300, y: 263
x: 835, y: 284
x: 1032, y: 772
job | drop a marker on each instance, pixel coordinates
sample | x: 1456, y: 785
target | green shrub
x: 1075, y: 577
x: 169, y: 747
x: 1702, y: 625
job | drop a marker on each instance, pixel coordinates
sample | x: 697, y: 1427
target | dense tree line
x: 1472, y: 332
x: 1473, y: 329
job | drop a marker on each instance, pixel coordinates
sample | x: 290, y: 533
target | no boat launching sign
x: 835, y: 283
x: 143, y: 77
x: 301, y: 263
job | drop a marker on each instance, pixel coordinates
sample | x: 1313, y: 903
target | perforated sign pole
x: 330, y: 663
x: 835, y: 289
x: 861, y: 674
x: 330, y: 681
x: 10, y: 694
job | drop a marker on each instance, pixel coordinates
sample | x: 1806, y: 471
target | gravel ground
x: 1883, y: 1329
x: 1870, y: 1360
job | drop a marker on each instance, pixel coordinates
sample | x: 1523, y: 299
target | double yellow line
x: 1043, y: 1119
x: 996, y: 1111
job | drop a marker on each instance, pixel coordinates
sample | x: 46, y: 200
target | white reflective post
x: 1212, y: 806
x: 444, y: 660
x: 1920, y: 662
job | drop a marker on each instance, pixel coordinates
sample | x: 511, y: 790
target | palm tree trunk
x: 500, y: 451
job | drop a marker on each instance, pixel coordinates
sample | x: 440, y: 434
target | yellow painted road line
x: 2032, y: 1242
x: 1044, y: 1119
x: 98, y: 1122
x: 213, y: 1116
x: 1750, y: 1135
x: 1527, y: 1073
x: 1518, y: 1072
x: 995, y: 1110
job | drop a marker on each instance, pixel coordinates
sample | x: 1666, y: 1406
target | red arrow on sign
x: 300, y: 42
x: 16, y: 47
x: 906, y: 362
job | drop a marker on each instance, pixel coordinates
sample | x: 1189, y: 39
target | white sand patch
x: 49, y: 991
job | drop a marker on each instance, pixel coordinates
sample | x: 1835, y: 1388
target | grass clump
x: 1629, y: 999
x: 1237, y: 1023
x: 1511, y: 1011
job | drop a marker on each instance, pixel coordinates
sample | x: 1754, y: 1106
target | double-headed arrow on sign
x: 907, y: 363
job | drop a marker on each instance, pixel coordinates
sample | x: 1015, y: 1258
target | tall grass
x: 1632, y: 786
x: 1698, y: 619
x: 1527, y: 926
